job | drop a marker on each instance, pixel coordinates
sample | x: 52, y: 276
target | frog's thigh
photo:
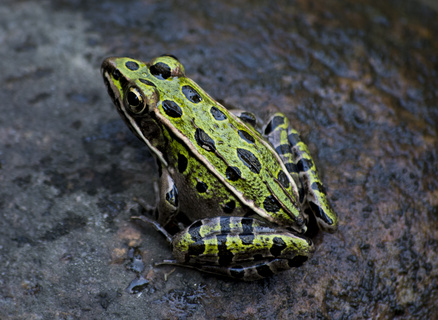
x: 299, y: 163
x: 240, y: 247
x: 168, y: 204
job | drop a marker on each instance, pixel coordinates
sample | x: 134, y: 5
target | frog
x: 250, y: 192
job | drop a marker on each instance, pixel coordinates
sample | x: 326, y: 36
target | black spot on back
x: 172, y: 109
x: 182, y: 163
x: 229, y: 207
x: 191, y: 94
x: 246, y: 136
x: 147, y: 82
x: 271, y: 204
x: 217, y: 114
x: 233, y: 173
x: 204, y: 140
x: 249, y: 160
x: 132, y: 65
x: 201, y: 187
x: 160, y: 70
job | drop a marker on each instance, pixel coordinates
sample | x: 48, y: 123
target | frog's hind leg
x: 239, y: 247
x: 299, y: 163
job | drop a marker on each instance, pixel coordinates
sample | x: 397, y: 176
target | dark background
x: 358, y: 79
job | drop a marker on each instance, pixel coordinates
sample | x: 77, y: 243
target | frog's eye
x: 135, y: 101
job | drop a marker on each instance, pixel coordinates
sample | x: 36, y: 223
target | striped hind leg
x: 299, y: 163
x: 239, y: 247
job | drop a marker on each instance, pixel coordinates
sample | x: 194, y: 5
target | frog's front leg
x: 168, y: 205
x: 299, y: 163
x: 239, y: 247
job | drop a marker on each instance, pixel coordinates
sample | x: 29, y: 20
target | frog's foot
x: 239, y: 247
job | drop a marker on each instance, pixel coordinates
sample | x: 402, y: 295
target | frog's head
x: 133, y: 84
x: 134, y: 87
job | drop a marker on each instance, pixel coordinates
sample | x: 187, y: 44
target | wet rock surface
x: 358, y: 79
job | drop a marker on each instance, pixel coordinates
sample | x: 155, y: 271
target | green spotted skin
x: 247, y: 194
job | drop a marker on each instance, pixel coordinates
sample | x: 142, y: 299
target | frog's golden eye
x: 136, y: 102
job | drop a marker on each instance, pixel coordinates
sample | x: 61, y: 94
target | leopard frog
x: 250, y: 195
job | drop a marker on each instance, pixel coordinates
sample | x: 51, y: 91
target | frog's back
x: 239, y: 159
x: 231, y: 151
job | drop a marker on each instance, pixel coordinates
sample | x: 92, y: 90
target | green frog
x: 251, y: 192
